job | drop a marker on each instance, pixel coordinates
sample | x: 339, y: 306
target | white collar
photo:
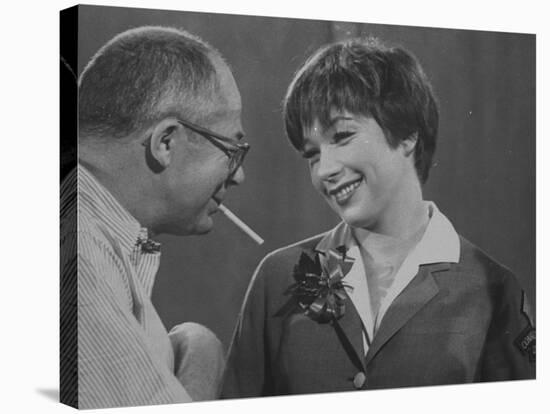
x: 440, y: 242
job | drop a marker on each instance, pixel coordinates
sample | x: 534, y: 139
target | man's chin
x: 204, y: 226
x: 200, y: 230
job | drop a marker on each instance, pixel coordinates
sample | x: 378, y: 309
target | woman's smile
x: 344, y: 192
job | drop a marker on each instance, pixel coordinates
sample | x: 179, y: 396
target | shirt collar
x: 94, y: 197
x: 440, y: 242
x: 338, y: 237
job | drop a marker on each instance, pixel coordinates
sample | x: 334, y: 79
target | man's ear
x: 163, y: 140
x: 409, y: 143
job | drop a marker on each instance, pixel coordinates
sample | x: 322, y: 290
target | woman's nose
x: 328, y: 166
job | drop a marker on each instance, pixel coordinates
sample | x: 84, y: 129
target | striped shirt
x: 124, y: 354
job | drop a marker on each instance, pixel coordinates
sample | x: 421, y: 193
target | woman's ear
x: 409, y: 143
x: 162, y: 141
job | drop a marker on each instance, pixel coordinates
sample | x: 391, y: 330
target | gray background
x: 484, y: 173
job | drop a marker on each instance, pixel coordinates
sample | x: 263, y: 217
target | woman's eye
x: 312, y: 156
x: 343, y: 137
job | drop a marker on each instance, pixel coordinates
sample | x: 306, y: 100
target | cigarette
x: 240, y: 224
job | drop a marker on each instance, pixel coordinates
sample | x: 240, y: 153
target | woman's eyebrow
x: 339, y: 118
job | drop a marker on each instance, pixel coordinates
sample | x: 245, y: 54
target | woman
x: 392, y: 296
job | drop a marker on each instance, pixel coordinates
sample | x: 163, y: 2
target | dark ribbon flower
x: 320, y: 292
x: 319, y: 288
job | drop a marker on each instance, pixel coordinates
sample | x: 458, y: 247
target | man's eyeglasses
x: 234, y: 151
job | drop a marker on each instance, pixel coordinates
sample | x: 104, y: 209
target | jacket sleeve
x: 248, y: 365
x: 509, y: 352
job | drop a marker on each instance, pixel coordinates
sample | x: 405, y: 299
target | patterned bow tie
x: 147, y: 245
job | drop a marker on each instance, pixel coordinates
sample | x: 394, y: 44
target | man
x: 159, y: 125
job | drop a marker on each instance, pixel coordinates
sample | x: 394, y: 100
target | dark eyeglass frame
x: 234, y: 151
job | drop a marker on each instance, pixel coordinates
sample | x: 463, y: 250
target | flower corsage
x: 319, y: 289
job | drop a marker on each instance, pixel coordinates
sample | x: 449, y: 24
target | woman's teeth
x: 344, y: 193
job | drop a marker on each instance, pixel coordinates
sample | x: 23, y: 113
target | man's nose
x: 237, y: 178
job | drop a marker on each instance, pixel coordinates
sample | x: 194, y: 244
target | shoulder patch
x: 526, y: 342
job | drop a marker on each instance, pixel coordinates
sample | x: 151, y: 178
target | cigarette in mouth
x: 240, y: 224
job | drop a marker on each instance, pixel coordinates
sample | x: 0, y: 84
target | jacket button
x: 359, y: 380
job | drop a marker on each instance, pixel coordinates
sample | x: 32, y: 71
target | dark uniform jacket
x: 453, y: 323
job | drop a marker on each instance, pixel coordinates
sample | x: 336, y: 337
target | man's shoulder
x: 90, y: 233
x: 101, y: 266
x: 92, y: 229
x: 96, y: 246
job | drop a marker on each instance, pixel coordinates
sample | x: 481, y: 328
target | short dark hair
x: 142, y: 75
x: 365, y: 77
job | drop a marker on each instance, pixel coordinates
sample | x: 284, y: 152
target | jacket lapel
x: 351, y: 325
x: 413, y: 298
